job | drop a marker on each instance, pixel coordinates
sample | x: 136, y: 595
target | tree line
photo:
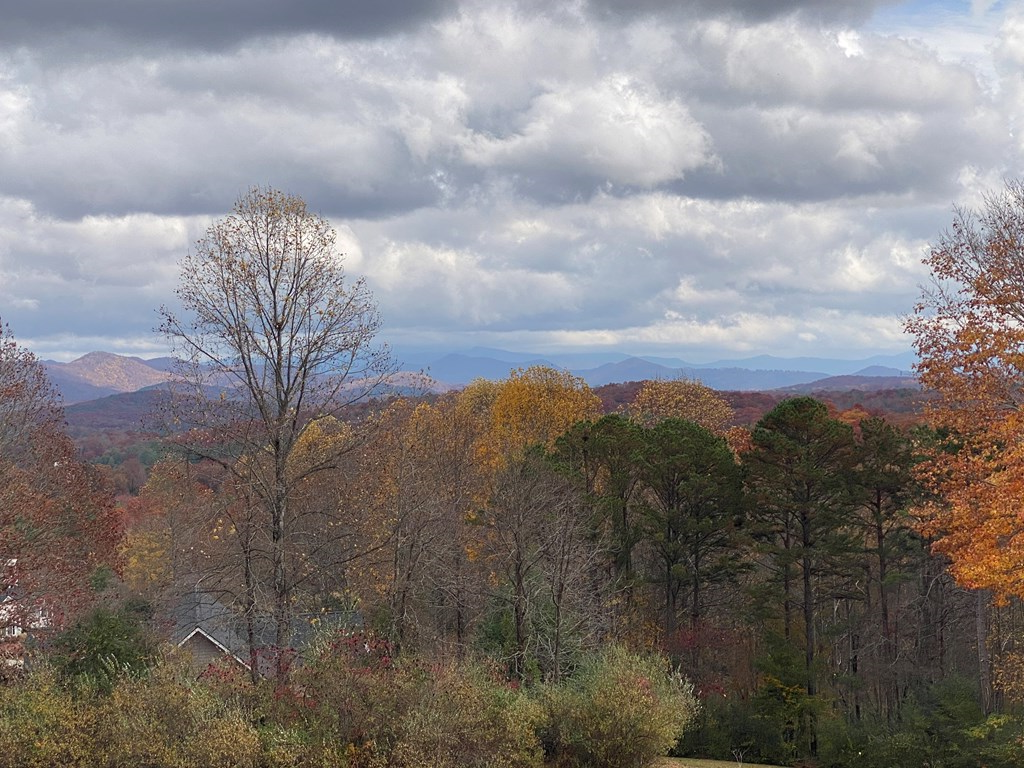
x: 782, y: 567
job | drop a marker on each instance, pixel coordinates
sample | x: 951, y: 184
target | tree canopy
x: 968, y: 330
x: 58, y: 524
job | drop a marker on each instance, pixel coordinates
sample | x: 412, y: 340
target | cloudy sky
x: 700, y: 178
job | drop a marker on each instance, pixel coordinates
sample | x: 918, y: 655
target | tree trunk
x: 670, y: 604
x: 787, y: 582
x: 519, y: 617
x: 809, y: 640
x: 282, y: 619
x: 890, y: 685
x: 695, y: 639
x: 460, y: 615
x: 250, y: 606
x: 984, y: 658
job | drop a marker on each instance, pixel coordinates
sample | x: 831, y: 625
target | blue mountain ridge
x: 762, y: 372
x: 86, y: 379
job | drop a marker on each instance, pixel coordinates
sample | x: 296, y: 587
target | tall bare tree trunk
x: 981, y: 605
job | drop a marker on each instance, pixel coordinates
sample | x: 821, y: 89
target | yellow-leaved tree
x: 531, y: 522
x: 421, y: 479
x: 686, y: 399
x: 535, y: 406
x: 169, y: 525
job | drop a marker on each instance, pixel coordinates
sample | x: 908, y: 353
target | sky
x: 697, y: 178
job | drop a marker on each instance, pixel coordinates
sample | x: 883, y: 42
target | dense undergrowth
x: 941, y: 725
x: 350, y: 704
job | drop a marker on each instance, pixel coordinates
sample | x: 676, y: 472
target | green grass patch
x: 689, y: 762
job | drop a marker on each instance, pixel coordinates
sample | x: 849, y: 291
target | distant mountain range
x: 752, y: 374
x: 100, y: 374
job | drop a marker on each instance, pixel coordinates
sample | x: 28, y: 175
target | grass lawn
x: 689, y: 762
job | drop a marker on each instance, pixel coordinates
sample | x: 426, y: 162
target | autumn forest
x: 520, y: 572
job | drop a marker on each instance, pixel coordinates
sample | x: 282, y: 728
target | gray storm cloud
x: 199, y: 24
x: 695, y: 177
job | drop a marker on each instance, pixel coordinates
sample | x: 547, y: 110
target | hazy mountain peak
x: 104, y: 370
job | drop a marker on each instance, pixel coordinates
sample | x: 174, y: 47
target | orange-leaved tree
x: 968, y: 330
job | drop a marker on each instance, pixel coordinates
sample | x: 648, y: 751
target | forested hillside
x: 779, y: 566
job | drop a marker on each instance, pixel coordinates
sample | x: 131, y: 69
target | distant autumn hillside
x: 125, y: 374
x: 99, y: 374
x: 900, y: 405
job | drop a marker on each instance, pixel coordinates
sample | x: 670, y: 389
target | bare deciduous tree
x: 274, y: 336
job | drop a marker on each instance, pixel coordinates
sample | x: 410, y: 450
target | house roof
x: 198, y: 632
x: 202, y: 612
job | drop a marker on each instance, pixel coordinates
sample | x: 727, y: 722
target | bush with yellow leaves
x: 166, y: 720
x: 41, y: 725
x: 620, y: 710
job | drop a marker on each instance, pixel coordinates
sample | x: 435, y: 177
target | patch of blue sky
x: 919, y: 12
x: 962, y: 31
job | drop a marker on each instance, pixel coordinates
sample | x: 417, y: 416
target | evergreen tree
x: 799, y: 473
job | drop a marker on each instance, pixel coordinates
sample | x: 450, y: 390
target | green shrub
x: 941, y: 724
x: 103, y: 646
x: 42, y: 726
x: 620, y: 710
x: 727, y: 729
